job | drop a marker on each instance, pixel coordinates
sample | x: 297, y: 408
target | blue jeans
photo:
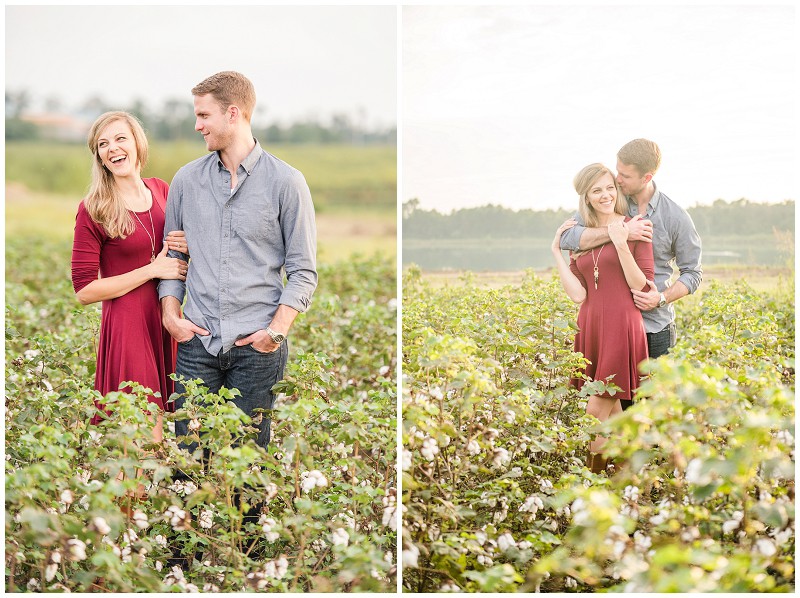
x: 251, y: 372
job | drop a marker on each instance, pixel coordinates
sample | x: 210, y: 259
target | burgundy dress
x: 134, y: 346
x: 611, y: 333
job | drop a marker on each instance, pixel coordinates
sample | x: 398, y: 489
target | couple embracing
x: 623, y: 242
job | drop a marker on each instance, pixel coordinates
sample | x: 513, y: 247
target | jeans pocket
x: 252, y: 348
x: 187, y: 341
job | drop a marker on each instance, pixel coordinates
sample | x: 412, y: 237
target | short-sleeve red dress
x: 611, y: 333
x: 133, y: 345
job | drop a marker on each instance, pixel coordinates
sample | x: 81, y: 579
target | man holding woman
x: 659, y: 220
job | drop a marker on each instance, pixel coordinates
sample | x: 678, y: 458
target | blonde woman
x: 611, y: 329
x: 117, y: 258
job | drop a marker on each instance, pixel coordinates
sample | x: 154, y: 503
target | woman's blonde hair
x: 103, y: 201
x: 583, y: 182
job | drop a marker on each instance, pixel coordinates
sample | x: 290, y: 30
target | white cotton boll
x: 500, y: 457
x: 506, y: 541
x: 693, y: 471
x: 406, y: 460
x: 340, y: 537
x: 473, y: 448
x: 206, y: 519
x: 100, y: 525
x: 50, y: 571
x: 140, y: 519
x: 631, y: 493
x: 570, y: 583
x: 429, y: 449
x: 410, y: 556
x: 436, y: 393
x: 161, y: 541
x: 766, y: 547
x: 194, y: 425
x: 76, y: 549
x: 67, y: 497
x: 384, y: 370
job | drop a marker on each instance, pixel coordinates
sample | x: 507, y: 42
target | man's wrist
x: 277, y: 337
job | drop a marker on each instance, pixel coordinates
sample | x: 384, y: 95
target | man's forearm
x: 594, y: 237
x: 170, y: 309
x: 283, y: 319
x: 675, y: 291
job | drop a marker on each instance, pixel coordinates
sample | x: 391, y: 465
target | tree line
x: 174, y: 120
x: 740, y: 217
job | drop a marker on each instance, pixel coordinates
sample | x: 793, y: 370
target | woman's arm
x: 618, y: 232
x: 572, y: 285
x: 112, y: 287
x: 86, y: 247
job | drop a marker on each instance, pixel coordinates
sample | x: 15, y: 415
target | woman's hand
x: 618, y: 233
x: 168, y: 268
x: 176, y: 239
x: 556, y: 245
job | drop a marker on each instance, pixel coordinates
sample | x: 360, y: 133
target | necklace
x: 153, y: 237
x: 596, y: 270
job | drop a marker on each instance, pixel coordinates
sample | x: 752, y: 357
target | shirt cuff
x: 295, y: 299
x: 171, y: 288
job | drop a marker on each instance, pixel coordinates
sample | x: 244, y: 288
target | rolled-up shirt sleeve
x: 299, y: 230
x: 688, y: 252
x: 571, y: 238
x: 173, y: 221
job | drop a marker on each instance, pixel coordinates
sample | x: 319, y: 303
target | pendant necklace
x: 153, y: 237
x: 596, y: 270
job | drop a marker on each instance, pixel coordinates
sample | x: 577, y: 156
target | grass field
x: 760, y: 278
x: 339, y: 176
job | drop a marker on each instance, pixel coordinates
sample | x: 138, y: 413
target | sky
x: 303, y: 61
x: 504, y: 105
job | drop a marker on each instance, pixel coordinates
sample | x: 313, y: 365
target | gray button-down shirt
x: 241, y: 243
x: 675, y: 241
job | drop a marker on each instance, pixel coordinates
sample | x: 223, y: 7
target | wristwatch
x: 276, y: 337
x: 662, y: 300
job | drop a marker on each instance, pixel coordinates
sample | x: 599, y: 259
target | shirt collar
x: 652, y: 204
x: 250, y: 161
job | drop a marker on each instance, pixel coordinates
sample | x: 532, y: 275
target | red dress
x: 611, y: 333
x: 134, y: 346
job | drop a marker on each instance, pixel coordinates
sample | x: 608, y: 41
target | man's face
x: 629, y: 179
x: 213, y: 123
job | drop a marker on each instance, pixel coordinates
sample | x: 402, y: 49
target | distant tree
x: 17, y: 102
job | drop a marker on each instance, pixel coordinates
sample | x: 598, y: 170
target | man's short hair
x: 229, y: 88
x: 643, y: 154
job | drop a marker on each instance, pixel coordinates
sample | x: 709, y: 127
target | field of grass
x: 341, y: 233
x: 340, y: 176
x: 760, y: 278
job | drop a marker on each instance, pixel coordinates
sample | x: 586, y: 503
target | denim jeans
x: 251, y: 372
x: 659, y: 343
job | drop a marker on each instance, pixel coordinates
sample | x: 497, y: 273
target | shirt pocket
x: 258, y: 221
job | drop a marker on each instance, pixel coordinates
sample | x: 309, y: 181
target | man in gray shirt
x: 248, y: 218
x: 656, y: 219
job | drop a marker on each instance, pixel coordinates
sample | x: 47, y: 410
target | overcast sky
x: 504, y: 105
x: 303, y: 61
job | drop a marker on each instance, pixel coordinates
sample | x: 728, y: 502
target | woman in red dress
x: 611, y: 333
x: 117, y: 258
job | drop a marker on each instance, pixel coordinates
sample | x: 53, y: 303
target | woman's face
x: 116, y: 148
x: 602, y: 195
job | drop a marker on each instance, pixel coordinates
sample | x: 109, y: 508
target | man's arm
x: 688, y: 253
x: 299, y: 229
x: 582, y: 238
